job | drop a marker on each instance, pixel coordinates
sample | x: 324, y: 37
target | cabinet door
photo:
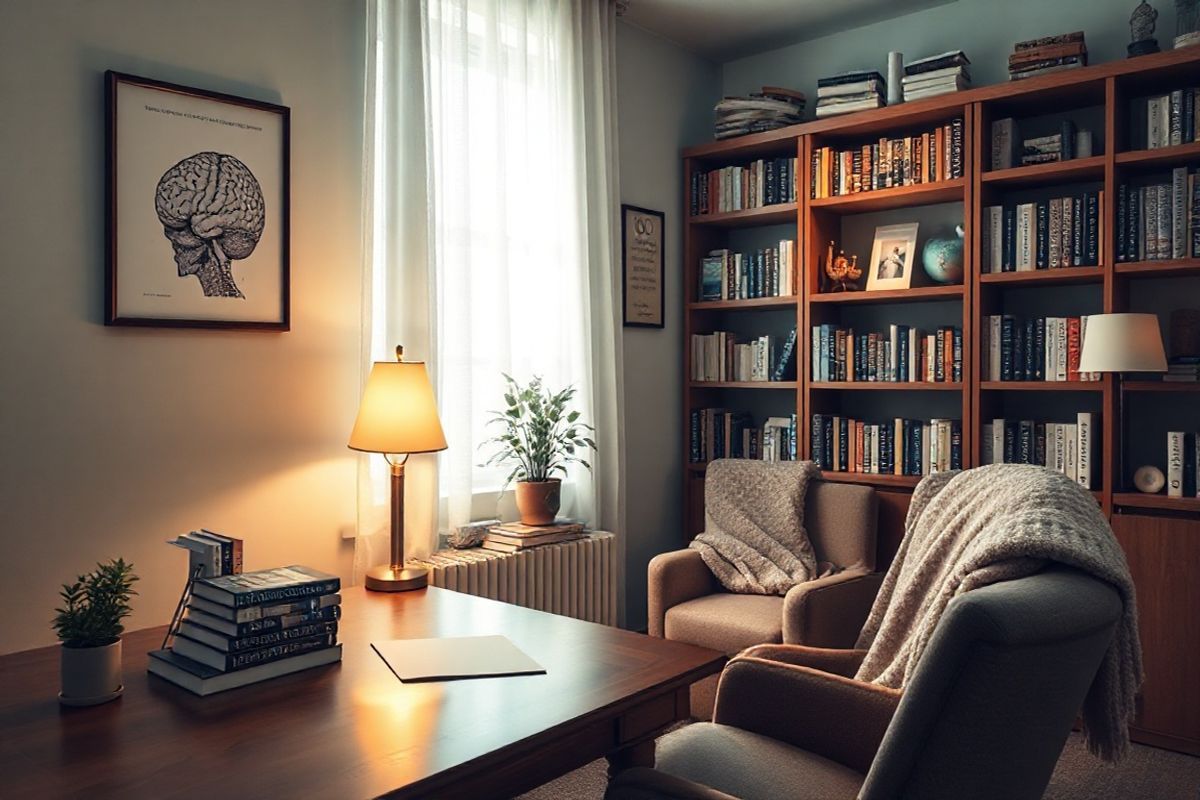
x: 1164, y: 558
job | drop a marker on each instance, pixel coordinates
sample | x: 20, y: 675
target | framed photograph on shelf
x: 197, y: 208
x: 893, y: 257
x: 643, y: 300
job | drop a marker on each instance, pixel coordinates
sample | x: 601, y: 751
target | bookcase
x: 1161, y: 535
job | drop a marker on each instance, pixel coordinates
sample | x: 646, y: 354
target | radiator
x: 576, y: 579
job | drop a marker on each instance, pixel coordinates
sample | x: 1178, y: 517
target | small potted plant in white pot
x: 540, y: 437
x: 89, y: 626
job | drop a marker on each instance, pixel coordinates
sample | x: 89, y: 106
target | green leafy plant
x: 540, y: 434
x: 94, y: 606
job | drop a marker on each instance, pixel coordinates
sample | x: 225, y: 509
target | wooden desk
x: 352, y: 730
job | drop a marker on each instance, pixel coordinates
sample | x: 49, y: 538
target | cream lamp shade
x: 1123, y: 343
x: 398, y: 413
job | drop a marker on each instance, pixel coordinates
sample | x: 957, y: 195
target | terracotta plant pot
x: 90, y: 675
x: 539, y: 501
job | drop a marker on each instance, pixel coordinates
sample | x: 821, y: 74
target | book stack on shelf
x: 935, y: 155
x: 910, y: 447
x: 850, y: 91
x: 1160, y: 221
x: 768, y: 272
x: 940, y: 74
x: 772, y: 107
x: 1048, y: 54
x: 765, y: 182
x: 904, y: 354
x: 242, y: 629
x: 1033, y: 349
x: 719, y: 357
x: 1048, y: 234
x: 718, y: 433
x: 1183, y: 464
x: 1183, y: 369
x: 1172, y: 118
x: 1010, y: 150
x: 1068, y: 448
x: 514, y: 537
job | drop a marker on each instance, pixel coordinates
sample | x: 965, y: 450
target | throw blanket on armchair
x: 969, y: 529
x: 754, y: 539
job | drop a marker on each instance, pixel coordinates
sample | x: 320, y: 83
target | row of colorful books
x: 1160, y: 221
x: 1068, y: 448
x: 1033, y: 348
x: 244, y: 628
x: 1047, y: 234
x: 932, y: 156
x: 904, y: 354
x: 719, y: 433
x: 719, y: 356
x: 768, y: 272
x: 765, y: 182
x: 1171, y: 118
x: 900, y: 447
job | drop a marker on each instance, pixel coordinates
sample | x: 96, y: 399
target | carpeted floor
x: 1146, y: 774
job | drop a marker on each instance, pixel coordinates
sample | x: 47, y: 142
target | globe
x: 943, y: 258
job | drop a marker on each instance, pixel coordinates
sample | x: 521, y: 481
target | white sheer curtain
x: 490, y: 170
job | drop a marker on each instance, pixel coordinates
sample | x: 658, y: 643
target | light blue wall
x: 985, y: 29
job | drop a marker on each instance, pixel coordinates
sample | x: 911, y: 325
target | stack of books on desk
x: 940, y: 74
x: 241, y: 629
x: 850, y: 91
x: 512, y: 537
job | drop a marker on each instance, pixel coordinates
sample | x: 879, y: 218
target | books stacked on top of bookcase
x: 1033, y: 348
x: 719, y: 356
x: 513, y: 537
x: 1048, y: 234
x: 768, y: 272
x: 1160, y: 221
x: 241, y: 629
x: 765, y: 182
x: 900, y: 447
x: 1183, y: 464
x: 718, y: 433
x: 1069, y: 448
x: 850, y: 91
x: 934, y: 75
x: 1048, y: 54
x: 1172, y: 118
x: 932, y: 156
x: 904, y: 354
x: 772, y: 107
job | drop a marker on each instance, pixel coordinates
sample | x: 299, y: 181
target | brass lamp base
x: 386, y: 579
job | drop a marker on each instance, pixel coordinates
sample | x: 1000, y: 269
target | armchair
x: 687, y: 603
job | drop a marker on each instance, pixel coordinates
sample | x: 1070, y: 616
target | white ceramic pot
x: 90, y: 675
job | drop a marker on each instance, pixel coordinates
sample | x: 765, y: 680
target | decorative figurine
x: 943, y: 258
x: 1141, y: 30
x: 843, y: 273
x: 1149, y: 479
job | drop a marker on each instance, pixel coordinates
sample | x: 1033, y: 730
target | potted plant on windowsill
x: 89, y: 626
x: 540, y: 437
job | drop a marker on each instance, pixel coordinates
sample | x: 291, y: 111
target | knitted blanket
x: 969, y: 529
x: 754, y: 539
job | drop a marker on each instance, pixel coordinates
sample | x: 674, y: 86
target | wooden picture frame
x: 893, y: 257
x: 197, y: 208
x: 643, y: 296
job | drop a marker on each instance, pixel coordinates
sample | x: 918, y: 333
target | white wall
x: 112, y: 440
x: 665, y: 97
x: 985, y: 29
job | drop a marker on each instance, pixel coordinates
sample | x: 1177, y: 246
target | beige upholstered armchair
x: 688, y: 604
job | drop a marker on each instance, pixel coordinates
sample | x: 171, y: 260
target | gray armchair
x: 688, y: 604
x: 985, y: 716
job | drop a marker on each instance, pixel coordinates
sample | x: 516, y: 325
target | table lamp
x: 397, y: 417
x: 1122, y: 343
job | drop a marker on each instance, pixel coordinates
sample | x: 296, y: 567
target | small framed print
x: 893, y: 257
x: 198, y: 208
x: 643, y: 299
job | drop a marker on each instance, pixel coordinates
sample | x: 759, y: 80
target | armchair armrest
x: 841, y: 719
x: 643, y: 783
x: 830, y: 611
x: 675, y: 578
x: 835, y: 662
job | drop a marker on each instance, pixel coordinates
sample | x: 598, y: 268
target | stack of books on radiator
x: 242, y: 629
x: 513, y: 537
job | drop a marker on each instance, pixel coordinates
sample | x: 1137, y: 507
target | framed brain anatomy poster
x: 197, y: 208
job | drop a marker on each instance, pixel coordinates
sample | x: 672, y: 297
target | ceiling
x: 722, y: 30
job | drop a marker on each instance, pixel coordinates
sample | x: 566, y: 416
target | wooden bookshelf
x: 1103, y: 94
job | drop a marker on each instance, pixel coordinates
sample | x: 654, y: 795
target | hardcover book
x: 266, y: 586
x: 203, y: 680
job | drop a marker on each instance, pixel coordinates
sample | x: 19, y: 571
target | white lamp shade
x: 398, y: 413
x: 1123, y: 343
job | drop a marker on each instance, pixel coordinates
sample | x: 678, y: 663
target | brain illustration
x: 212, y: 211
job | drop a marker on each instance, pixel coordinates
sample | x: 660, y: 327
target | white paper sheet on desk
x: 452, y: 658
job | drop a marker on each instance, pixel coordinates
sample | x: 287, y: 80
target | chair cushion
x: 727, y: 622
x: 752, y: 767
x: 841, y: 519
